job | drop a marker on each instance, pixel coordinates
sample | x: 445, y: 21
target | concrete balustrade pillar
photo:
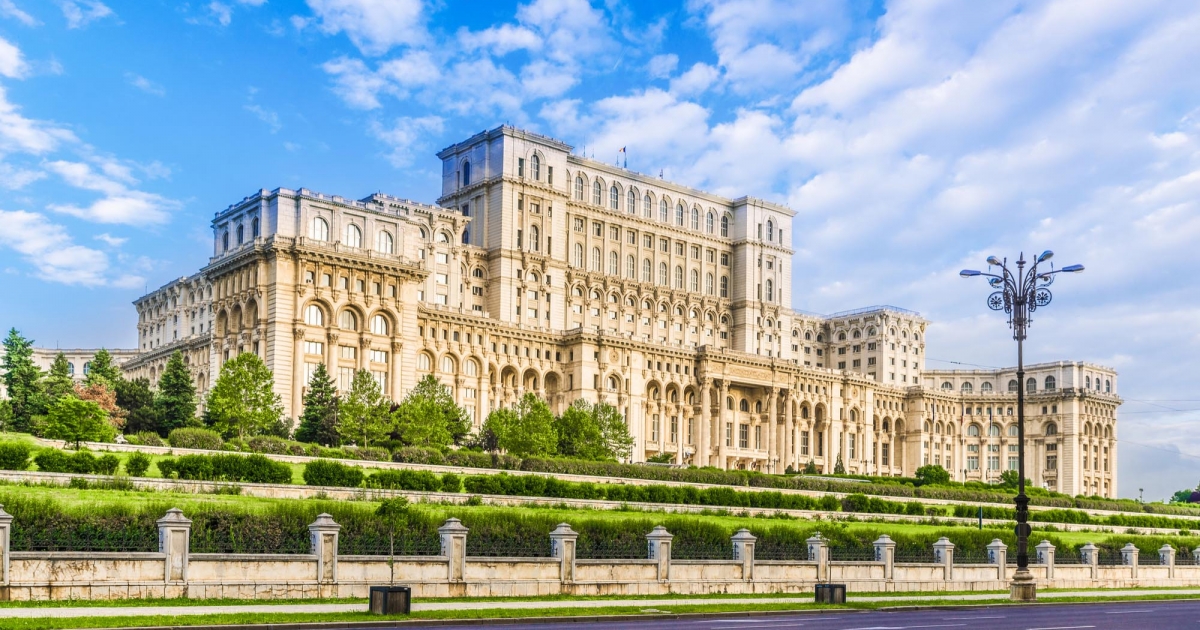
x: 1166, y: 557
x: 562, y: 546
x: 1046, y: 555
x: 323, y: 539
x: 818, y: 551
x: 658, y: 548
x: 743, y: 550
x: 1195, y: 555
x: 5, y: 544
x: 1091, y: 557
x: 943, y: 554
x: 174, y: 541
x: 1129, y: 558
x: 885, y: 552
x: 998, y: 555
x: 454, y: 548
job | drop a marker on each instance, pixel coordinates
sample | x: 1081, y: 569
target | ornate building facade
x: 540, y: 270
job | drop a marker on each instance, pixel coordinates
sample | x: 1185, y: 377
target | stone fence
x: 173, y: 571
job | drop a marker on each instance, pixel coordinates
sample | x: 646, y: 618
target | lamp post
x: 1018, y: 295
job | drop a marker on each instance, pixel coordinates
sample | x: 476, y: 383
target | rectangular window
x: 664, y: 245
x: 578, y: 224
x: 804, y: 442
x: 729, y: 434
x: 691, y: 430
x: 820, y: 444
x: 654, y: 429
x: 973, y: 462
x: 597, y: 229
x: 520, y: 167
x: 347, y: 352
x: 884, y: 453
x: 1012, y: 463
x: 381, y: 379
x: 674, y: 429
x: 744, y: 436
x: 443, y: 278
x: 314, y: 347
x: 724, y: 260
x: 757, y: 437
x: 345, y: 378
x: 1052, y: 462
x: 993, y: 462
x: 309, y: 370
x: 444, y: 258
x: 379, y: 356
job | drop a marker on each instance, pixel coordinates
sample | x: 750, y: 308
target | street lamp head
x: 1046, y: 255
x: 992, y: 260
x: 996, y: 282
x: 1072, y: 268
x: 969, y: 273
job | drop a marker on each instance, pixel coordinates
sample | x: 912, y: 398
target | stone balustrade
x: 174, y: 571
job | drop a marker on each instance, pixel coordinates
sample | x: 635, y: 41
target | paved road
x: 1098, y: 616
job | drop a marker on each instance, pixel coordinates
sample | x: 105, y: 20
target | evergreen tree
x: 136, y: 399
x: 59, y: 382
x: 526, y: 430
x: 838, y: 468
x: 5, y: 415
x: 364, y: 416
x: 75, y: 420
x: 428, y: 416
x: 101, y: 369
x: 319, y: 421
x: 243, y: 400
x: 810, y: 468
x: 22, y: 379
x: 175, y: 402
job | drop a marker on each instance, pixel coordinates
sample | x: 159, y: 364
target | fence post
x: 743, y: 549
x: 1091, y: 557
x: 658, y: 544
x: 885, y: 552
x: 1046, y: 555
x: 454, y: 548
x: 6, y: 544
x: 1129, y: 557
x: 1195, y: 554
x: 818, y: 551
x: 943, y: 554
x: 1166, y: 556
x: 562, y: 546
x: 323, y: 539
x: 174, y: 541
x: 998, y: 555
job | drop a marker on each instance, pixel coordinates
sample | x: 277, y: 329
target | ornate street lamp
x: 1018, y: 295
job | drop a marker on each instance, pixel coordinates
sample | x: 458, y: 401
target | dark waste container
x: 831, y: 594
x: 391, y: 600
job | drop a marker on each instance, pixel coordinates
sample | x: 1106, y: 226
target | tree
x: 661, y: 458
x: 243, y: 400
x: 838, y: 468
x: 1008, y: 479
x: 526, y: 430
x: 5, y: 415
x: 1181, y: 497
x: 428, y: 416
x: 75, y: 420
x: 59, y: 382
x: 101, y: 394
x: 318, y: 423
x: 932, y: 474
x: 136, y: 399
x: 22, y: 380
x: 590, y: 431
x: 394, y: 513
x: 175, y: 402
x: 810, y: 468
x: 101, y: 369
x: 364, y: 416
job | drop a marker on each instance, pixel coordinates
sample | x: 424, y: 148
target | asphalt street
x: 1100, y: 616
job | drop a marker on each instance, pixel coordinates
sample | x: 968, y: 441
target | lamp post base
x: 1023, y: 587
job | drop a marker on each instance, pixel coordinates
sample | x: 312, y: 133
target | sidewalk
x: 145, y: 611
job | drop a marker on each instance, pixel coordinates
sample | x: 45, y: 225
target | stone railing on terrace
x: 558, y: 564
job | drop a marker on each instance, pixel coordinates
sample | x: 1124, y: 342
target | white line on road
x: 934, y: 625
x: 975, y: 617
x: 1063, y: 628
x: 1126, y: 612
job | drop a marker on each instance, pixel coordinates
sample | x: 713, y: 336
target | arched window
x: 614, y: 197
x: 647, y: 207
x: 596, y: 193
x: 535, y: 165
x: 579, y: 255
x: 535, y: 238
x: 466, y: 173
x: 443, y: 237
x: 724, y: 225
x: 448, y: 364
x: 631, y: 267
x: 470, y: 367
x: 994, y: 430
x: 1012, y: 430
x: 384, y: 242
x: 1107, y: 386
x: 947, y: 386
x: 1030, y: 385
x: 708, y: 284
x: 985, y: 388
x: 662, y: 210
x: 695, y: 218
x: 353, y: 236
x: 1051, y: 384
x: 694, y: 281
x: 1087, y: 382
x: 662, y: 273
x: 612, y: 383
x: 423, y: 362
x: 225, y: 241
x: 254, y: 230
x: 319, y: 230
x: 770, y: 291
x: 708, y: 223
x: 631, y: 202
x: 678, y: 277
x: 744, y: 405
x: 1051, y: 428
x: 241, y: 235
x: 770, y: 230
x: 579, y: 187
x: 614, y: 268
x: 647, y: 271
x: 71, y: 369
x: 973, y: 430
x: 379, y: 325
x: 596, y: 260
x: 1012, y: 386
x: 313, y: 315
x: 678, y: 214
x: 724, y: 286
x: 966, y: 388
x: 348, y: 320
x: 477, y: 272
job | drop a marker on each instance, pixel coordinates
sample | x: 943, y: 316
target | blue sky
x: 913, y: 138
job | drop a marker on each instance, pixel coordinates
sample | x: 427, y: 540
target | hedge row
x: 206, y: 439
x: 249, y: 468
x: 80, y: 462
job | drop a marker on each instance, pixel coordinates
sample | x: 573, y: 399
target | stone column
x: 298, y: 369
x: 743, y: 550
x: 885, y: 552
x: 1091, y: 557
x: 1166, y: 557
x: 562, y: 546
x: 704, y: 445
x: 1045, y: 555
x: 323, y: 538
x: 1129, y: 557
x: 454, y: 548
x: 819, y: 553
x: 174, y: 539
x: 394, y: 366
x: 659, y: 549
x: 943, y: 554
x: 1195, y: 555
x: 789, y: 441
x: 5, y: 544
x: 331, y: 354
x: 722, y: 420
x: 998, y: 555
x: 772, y: 426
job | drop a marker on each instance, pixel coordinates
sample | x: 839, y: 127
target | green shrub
x: 146, y: 438
x: 106, y: 464
x: 418, y: 455
x: 260, y: 469
x: 14, y: 456
x: 80, y: 463
x: 188, y: 437
x: 451, y: 483
x: 227, y: 467
x: 166, y: 467
x: 137, y: 464
x: 194, y: 467
x: 331, y: 453
x: 336, y: 474
x: 268, y: 444
x: 421, y: 480
x: 369, y: 453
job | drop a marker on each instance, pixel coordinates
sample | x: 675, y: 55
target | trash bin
x: 831, y: 594
x: 391, y: 600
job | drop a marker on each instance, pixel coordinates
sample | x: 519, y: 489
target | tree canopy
x: 175, y: 402
x: 101, y: 369
x: 364, y: 415
x: 526, y: 430
x: 243, y: 401
x: 931, y: 474
x: 74, y: 420
x: 21, y: 380
x: 318, y: 422
x: 428, y: 416
x: 596, y: 431
x: 136, y: 398
x: 58, y: 382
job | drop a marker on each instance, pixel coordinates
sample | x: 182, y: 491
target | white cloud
x: 12, y: 64
x: 146, y: 85
x: 80, y: 13
x: 661, y: 66
x: 9, y: 9
x: 18, y: 133
x: 110, y: 240
x: 407, y: 137
x: 265, y: 115
x: 50, y: 250
x: 374, y: 26
x: 356, y: 84
x: 119, y: 204
x: 223, y: 13
x: 695, y: 81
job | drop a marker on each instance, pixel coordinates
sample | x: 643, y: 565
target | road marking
x: 1063, y: 628
x: 789, y: 624
x: 975, y: 617
x: 1126, y: 612
x: 933, y: 625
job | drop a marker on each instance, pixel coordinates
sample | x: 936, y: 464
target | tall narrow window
x: 724, y: 286
x: 466, y: 173
x: 578, y: 256
x: 708, y: 284
x: 770, y: 230
x: 678, y: 277
x: 614, y: 197
x: 535, y: 239
x: 319, y: 230
x: 596, y: 260
x: 724, y: 225
x: 579, y: 188
x: 694, y: 281
x: 678, y: 214
x: 596, y: 193
x: 631, y: 202
x: 631, y: 267
x: 353, y: 236
x: 241, y: 235
x: 770, y: 291
x: 646, y: 271
x: 662, y: 273
x: 613, y: 264
x: 384, y: 242
x: 695, y: 219
x: 662, y: 210
x: 708, y: 223
x: 254, y: 230
x: 535, y: 165
x: 647, y: 207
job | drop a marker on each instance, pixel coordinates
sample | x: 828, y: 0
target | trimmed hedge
x: 226, y: 467
x: 188, y: 437
x: 329, y: 473
x: 405, y: 480
x: 137, y: 464
x: 14, y: 455
x: 80, y: 462
x: 145, y: 438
